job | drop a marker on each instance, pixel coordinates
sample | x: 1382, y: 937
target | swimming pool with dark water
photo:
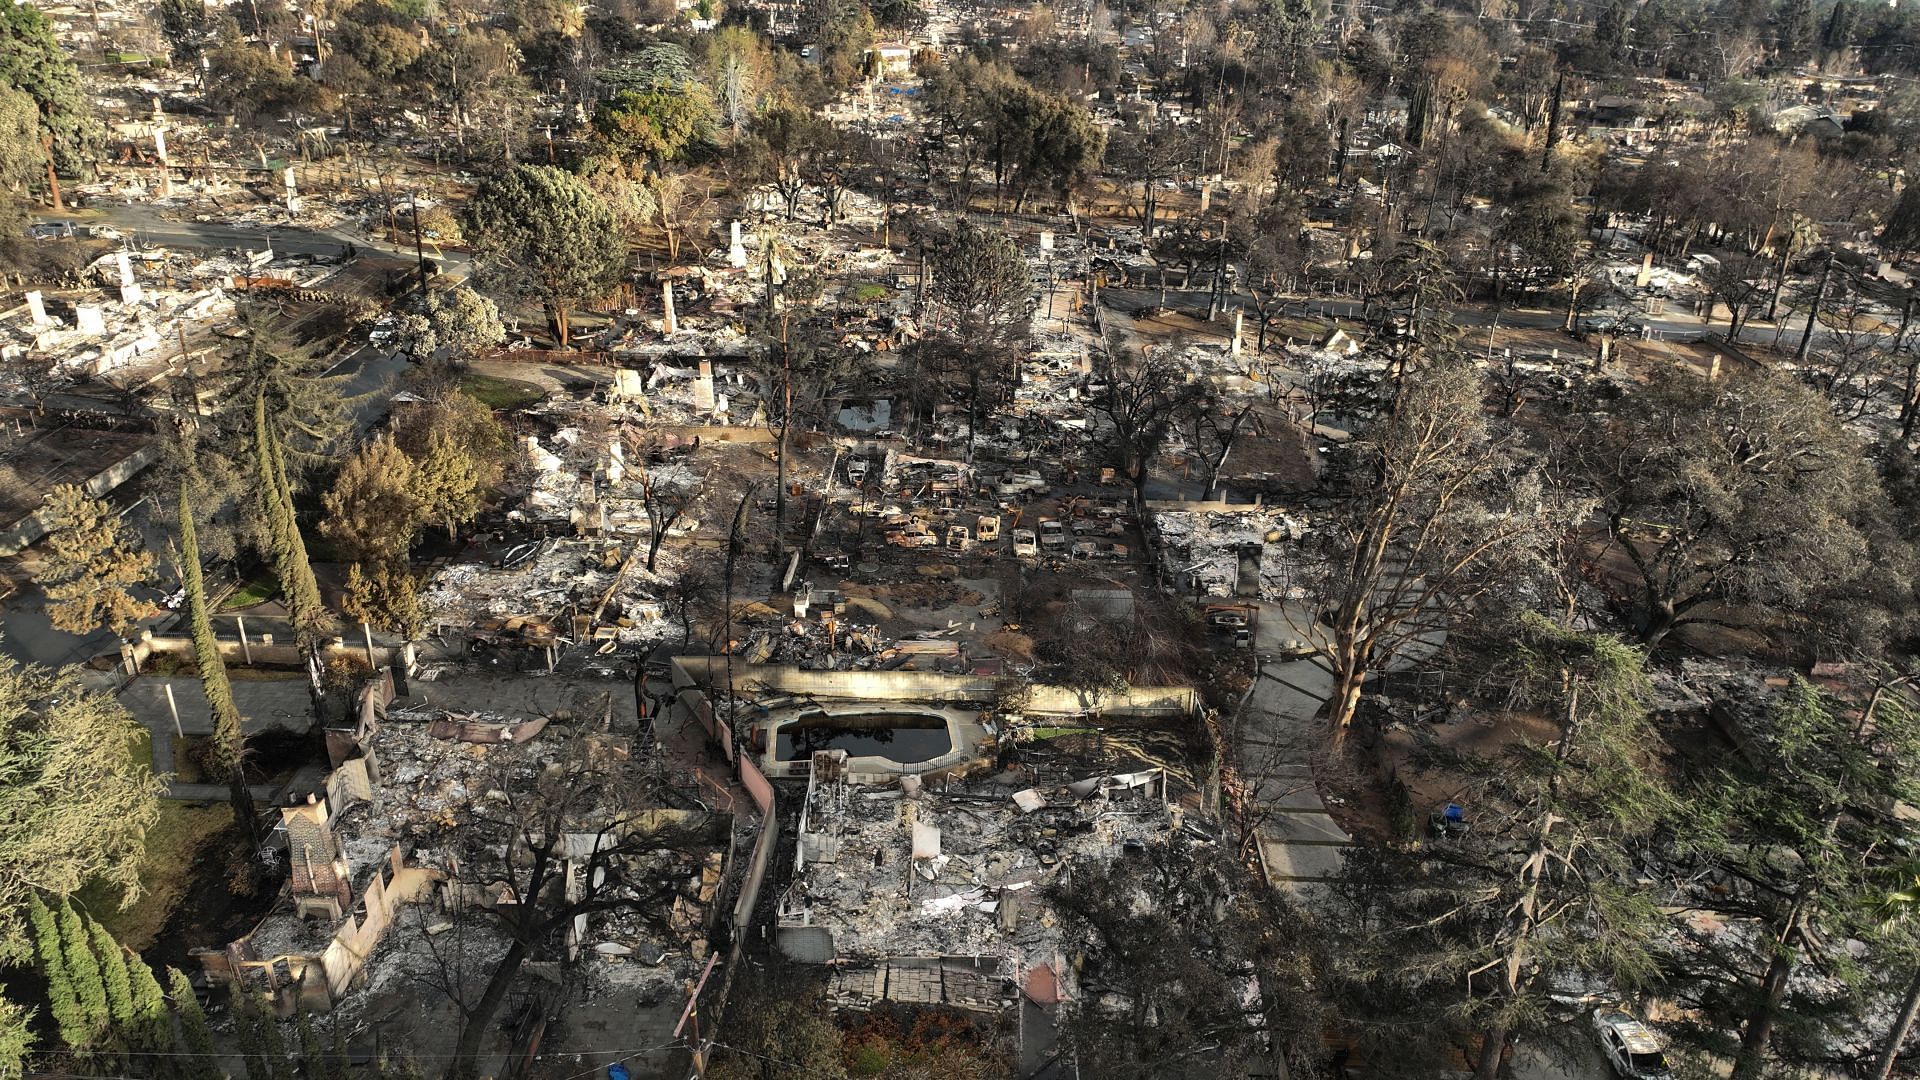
x: 907, y: 738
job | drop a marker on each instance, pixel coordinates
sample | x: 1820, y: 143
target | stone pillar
x: 37, y: 305
x: 130, y: 292
x: 669, y: 324
x: 1239, y: 323
x: 293, y: 194
x: 90, y: 320
x: 736, y: 251
x: 1206, y: 197
x: 703, y: 395
x: 160, y: 152
x: 1645, y: 276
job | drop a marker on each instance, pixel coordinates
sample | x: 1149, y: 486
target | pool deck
x: 966, y: 737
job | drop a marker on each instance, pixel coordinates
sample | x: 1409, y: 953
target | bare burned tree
x: 691, y: 592
x: 1211, y: 428
x: 580, y: 836
x: 665, y: 501
x: 1146, y: 394
x: 1435, y: 522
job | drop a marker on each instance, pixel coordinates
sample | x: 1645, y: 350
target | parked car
x: 1021, y: 482
x: 1052, y: 533
x: 1227, y: 618
x: 1630, y: 1046
x: 1025, y: 544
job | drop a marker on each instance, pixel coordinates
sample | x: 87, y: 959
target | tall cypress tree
x: 200, y: 1061
x: 313, y: 1060
x: 339, y: 1063
x: 274, y: 1044
x: 89, y: 986
x: 16, y: 1037
x: 118, y: 982
x: 152, y: 1031
x: 53, y: 962
x: 249, y: 1031
x: 229, y: 737
x: 286, y: 415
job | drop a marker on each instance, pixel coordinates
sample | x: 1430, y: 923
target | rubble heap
x: 962, y: 871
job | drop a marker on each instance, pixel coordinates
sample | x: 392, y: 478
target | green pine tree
x: 292, y: 414
x: 151, y: 1031
x: 119, y: 983
x: 201, y: 1061
x: 89, y: 985
x: 285, y: 417
x: 53, y: 962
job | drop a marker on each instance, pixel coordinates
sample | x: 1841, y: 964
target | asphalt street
x: 1667, y: 326
x: 370, y: 374
x: 153, y: 226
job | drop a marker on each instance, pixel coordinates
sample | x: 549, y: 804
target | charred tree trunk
x: 1751, y: 1063
x: 1902, y: 1027
x: 1813, y: 311
x: 466, y: 1059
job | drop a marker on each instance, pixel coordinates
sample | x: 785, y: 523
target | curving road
x: 146, y: 224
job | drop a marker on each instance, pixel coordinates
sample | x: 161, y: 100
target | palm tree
x: 777, y: 256
x: 1896, y: 912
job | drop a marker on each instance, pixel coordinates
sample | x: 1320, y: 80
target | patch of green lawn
x: 173, y: 843
x: 503, y: 394
x: 258, y: 588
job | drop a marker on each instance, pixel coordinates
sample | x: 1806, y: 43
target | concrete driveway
x: 1278, y: 732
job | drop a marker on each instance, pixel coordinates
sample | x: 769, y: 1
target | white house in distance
x: 889, y: 60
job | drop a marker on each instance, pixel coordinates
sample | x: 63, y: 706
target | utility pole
x: 1813, y: 311
x: 419, y: 252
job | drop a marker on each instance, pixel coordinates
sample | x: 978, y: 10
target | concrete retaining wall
x: 691, y: 704
x: 936, y: 687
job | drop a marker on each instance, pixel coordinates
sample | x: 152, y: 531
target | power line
x: 618, y: 1050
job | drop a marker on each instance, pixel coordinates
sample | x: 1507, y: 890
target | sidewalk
x: 1278, y: 733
